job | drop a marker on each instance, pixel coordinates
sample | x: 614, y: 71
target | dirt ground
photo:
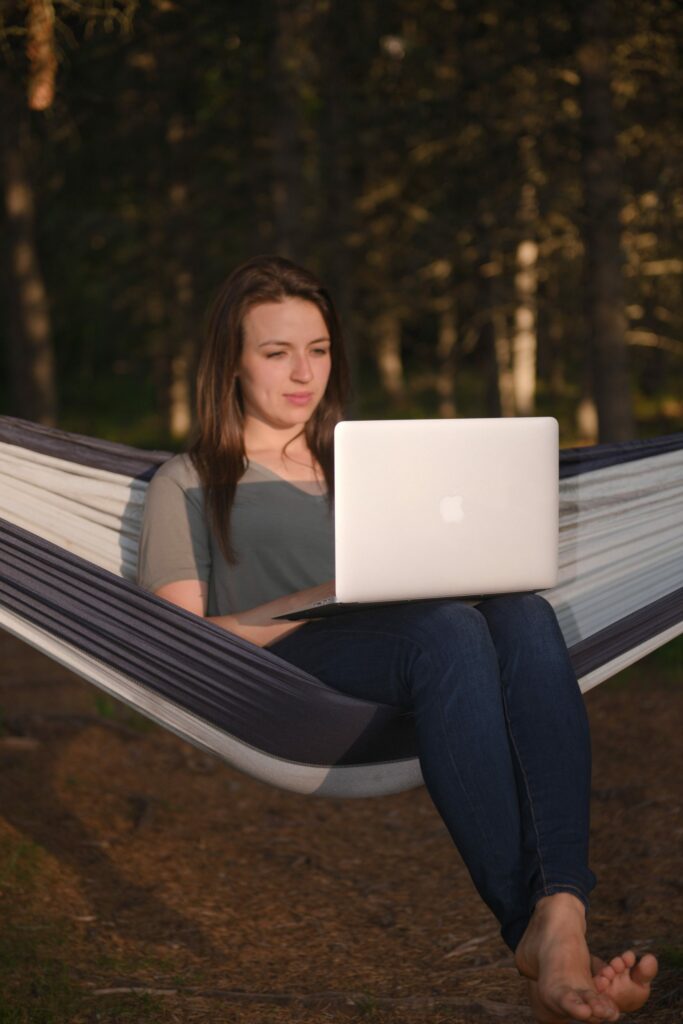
x: 141, y: 880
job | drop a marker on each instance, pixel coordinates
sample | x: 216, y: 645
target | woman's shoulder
x: 181, y: 470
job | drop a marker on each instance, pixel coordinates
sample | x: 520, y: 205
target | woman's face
x: 285, y: 362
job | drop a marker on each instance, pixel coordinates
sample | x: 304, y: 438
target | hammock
x: 70, y: 513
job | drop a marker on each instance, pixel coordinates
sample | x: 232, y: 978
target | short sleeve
x: 174, y: 542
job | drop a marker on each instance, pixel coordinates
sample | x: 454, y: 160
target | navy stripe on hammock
x: 241, y: 689
x: 245, y: 691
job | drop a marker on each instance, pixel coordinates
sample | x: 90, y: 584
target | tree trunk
x: 286, y: 134
x: 32, y: 362
x: 525, y: 343
x: 181, y: 335
x: 388, y: 354
x: 40, y: 50
x: 503, y: 350
x: 497, y: 337
x: 181, y: 357
x: 605, y: 305
x: 445, y: 351
x: 525, y: 339
x: 338, y: 217
x: 551, y: 338
x: 498, y: 394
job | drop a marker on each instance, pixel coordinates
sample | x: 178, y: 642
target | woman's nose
x: 302, y: 368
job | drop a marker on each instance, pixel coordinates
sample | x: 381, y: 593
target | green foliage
x: 35, y: 987
x: 20, y: 862
x: 671, y: 957
x: 37, y: 954
x: 670, y: 657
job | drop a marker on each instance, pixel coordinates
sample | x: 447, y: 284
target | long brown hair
x: 218, y: 451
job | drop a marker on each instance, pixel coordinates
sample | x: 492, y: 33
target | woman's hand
x: 257, y: 625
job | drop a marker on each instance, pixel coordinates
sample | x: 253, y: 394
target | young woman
x: 240, y: 530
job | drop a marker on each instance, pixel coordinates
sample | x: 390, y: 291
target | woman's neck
x: 285, y: 453
x: 262, y: 441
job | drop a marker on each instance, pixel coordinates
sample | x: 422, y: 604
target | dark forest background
x: 492, y: 190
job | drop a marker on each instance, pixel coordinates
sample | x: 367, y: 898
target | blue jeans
x: 502, y: 732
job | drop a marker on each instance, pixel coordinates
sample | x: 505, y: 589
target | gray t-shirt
x: 282, y: 535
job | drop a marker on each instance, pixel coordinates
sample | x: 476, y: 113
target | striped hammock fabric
x: 70, y: 514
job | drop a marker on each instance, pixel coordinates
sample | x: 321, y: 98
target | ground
x: 143, y: 881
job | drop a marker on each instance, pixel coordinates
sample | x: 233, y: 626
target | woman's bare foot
x: 625, y: 979
x: 554, y: 955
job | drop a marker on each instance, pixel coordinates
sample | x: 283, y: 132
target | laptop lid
x: 445, y: 508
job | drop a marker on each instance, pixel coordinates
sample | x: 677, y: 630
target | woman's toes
x: 601, y: 982
x: 601, y: 1007
x: 578, y: 1008
x: 629, y: 958
x: 645, y: 970
x: 618, y: 964
x: 608, y: 971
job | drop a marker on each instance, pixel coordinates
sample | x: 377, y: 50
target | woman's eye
x: 274, y: 355
x: 321, y: 351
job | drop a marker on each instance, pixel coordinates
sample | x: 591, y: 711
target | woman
x: 240, y: 530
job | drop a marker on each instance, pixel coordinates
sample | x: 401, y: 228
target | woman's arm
x: 256, y: 625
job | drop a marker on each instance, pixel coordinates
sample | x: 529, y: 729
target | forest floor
x: 143, y: 881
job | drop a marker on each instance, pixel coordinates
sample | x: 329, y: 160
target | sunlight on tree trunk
x: 587, y: 420
x: 180, y: 416
x: 178, y: 236
x: 182, y: 362
x: 388, y: 353
x: 525, y: 341
x: 31, y: 348
x: 40, y: 51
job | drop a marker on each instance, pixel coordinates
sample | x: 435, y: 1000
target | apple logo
x: 451, y: 508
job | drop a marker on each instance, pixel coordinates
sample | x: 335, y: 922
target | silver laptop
x: 442, y: 508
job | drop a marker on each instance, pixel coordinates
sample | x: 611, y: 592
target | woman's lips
x: 300, y: 398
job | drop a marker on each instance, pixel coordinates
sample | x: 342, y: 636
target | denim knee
x: 528, y: 639
x: 520, y: 616
x: 456, y: 647
x: 435, y: 625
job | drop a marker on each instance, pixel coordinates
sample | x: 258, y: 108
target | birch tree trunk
x: 605, y: 302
